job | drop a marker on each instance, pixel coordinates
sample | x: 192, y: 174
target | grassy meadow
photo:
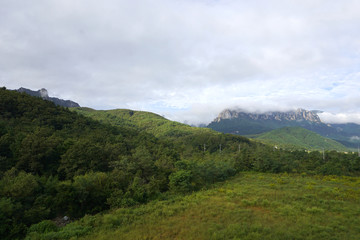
x: 248, y: 206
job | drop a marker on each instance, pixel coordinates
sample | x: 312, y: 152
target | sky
x: 187, y: 59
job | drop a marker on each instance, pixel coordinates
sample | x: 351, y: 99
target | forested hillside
x: 186, y: 139
x: 299, y: 138
x: 55, y: 162
x: 146, y: 121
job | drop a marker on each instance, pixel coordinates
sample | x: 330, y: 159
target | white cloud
x: 340, y: 117
x: 192, y: 58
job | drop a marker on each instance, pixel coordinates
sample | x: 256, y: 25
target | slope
x: 250, y: 206
x: 242, y: 126
x: 145, y: 121
x: 184, y: 137
x: 56, y: 162
x: 300, y: 138
x: 243, y: 123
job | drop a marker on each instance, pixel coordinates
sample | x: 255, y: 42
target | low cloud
x: 355, y: 138
x: 340, y: 117
x: 185, y: 59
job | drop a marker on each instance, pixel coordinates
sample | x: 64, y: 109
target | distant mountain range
x: 261, y: 125
x: 244, y: 123
x: 43, y: 93
x: 298, y: 115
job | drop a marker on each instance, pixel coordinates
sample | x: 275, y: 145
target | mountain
x: 298, y: 115
x: 244, y: 123
x: 145, y: 121
x: 55, y: 162
x: 297, y: 137
x: 43, y: 93
x: 185, y: 137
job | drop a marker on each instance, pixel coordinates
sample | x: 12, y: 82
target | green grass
x: 299, y: 138
x: 249, y: 206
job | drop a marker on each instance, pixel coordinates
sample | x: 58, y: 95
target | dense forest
x: 55, y: 162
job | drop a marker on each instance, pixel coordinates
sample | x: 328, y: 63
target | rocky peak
x: 226, y: 114
x: 43, y: 93
x: 298, y: 115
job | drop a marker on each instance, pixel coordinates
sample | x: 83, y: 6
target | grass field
x: 249, y: 206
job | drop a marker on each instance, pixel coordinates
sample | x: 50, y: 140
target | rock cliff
x: 298, y: 115
x: 43, y: 93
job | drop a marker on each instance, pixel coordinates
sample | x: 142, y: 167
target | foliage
x: 299, y: 138
x: 43, y: 227
x: 249, y: 206
x: 180, y: 181
x: 56, y: 162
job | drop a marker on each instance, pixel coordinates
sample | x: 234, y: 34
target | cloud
x: 340, y: 117
x: 186, y: 59
x: 355, y: 138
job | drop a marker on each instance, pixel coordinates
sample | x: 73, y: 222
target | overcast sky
x: 187, y: 59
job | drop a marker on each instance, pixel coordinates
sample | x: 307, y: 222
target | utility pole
x: 239, y: 147
x: 220, y: 147
x: 204, y: 147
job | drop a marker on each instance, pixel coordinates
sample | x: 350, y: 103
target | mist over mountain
x: 248, y: 123
x: 298, y: 115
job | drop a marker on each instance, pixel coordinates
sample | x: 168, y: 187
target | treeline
x: 54, y: 162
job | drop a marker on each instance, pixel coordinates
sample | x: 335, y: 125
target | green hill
x: 185, y: 138
x: 145, y: 121
x: 55, y: 162
x: 299, y: 138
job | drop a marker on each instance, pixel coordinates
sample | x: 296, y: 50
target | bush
x: 43, y: 227
x: 180, y: 181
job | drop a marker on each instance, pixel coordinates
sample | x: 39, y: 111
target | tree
x: 181, y: 181
x: 83, y: 156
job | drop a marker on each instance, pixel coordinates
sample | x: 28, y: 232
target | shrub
x: 43, y: 227
x: 180, y: 181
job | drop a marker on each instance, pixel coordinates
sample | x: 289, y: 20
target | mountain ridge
x: 249, y: 123
x: 43, y: 93
x: 299, y: 114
